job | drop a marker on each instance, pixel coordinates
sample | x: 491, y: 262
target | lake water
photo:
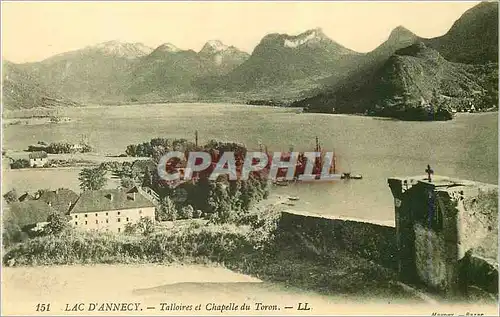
x: 466, y: 147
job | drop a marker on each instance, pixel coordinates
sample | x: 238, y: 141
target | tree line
x: 60, y: 148
x: 220, y: 200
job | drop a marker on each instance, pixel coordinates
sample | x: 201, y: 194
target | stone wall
x: 430, y: 255
x: 371, y: 240
x: 444, y: 235
x: 441, y: 221
x: 478, y: 222
x: 480, y: 273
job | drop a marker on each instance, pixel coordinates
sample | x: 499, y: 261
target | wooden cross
x: 429, y: 172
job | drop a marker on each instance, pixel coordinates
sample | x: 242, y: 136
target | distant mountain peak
x: 317, y: 31
x: 214, y: 46
x: 167, y: 47
x: 222, y: 54
x: 401, y: 33
x: 310, y: 36
x: 122, y: 49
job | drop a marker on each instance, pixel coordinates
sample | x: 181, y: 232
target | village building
x: 77, y: 147
x: 61, y: 199
x: 29, y: 215
x: 38, y: 159
x: 31, y: 211
x: 111, y: 209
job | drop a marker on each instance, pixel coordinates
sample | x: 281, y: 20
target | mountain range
x: 406, y: 86
x: 21, y: 90
x: 311, y: 69
x: 460, y: 65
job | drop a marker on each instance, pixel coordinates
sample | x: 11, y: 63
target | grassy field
x: 30, y: 180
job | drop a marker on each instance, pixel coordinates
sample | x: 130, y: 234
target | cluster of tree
x: 220, y: 201
x: 57, y: 223
x: 11, y: 196
x: 60, y: 147
x: 24, y: 163
x: 14, y: 231
x: 112, y: 165
x: 144, y: 226
x: 488, y: 97
x: 92, y: 178
x: 55, y: 119
x: 95, y: 178
x: 20, y: 163
x: 170, y: 211
x: 158, y: 146
x: 128, y: 176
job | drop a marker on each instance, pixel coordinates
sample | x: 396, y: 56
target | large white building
x: 111, y: 209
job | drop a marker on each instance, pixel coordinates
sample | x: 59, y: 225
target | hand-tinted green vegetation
x: 92, y: 178
x: 143, y: 243
x: 255, y: 246
x: 20, y: 163
x: 60, y: 147
x: 219, y: 201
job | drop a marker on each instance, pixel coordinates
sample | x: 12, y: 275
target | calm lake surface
x: 466, y: 147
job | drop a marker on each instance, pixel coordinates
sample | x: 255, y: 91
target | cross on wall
x: 429, y: 172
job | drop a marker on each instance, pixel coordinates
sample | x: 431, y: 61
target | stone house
x: 111, y: 209
x: 38, y: 159
x: 61, y: 199
x: 29, y: 215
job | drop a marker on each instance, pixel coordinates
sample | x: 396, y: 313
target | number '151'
x: 43, y: 307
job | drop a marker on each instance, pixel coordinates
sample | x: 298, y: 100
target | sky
x: 33, y: 31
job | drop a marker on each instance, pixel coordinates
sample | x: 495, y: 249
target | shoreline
x: 11, y: 114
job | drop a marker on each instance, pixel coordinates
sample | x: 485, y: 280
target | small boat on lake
x: 351, y: 176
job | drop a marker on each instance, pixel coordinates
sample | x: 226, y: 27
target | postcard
x: 251, y: 158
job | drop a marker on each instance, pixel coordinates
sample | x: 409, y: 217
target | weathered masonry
x: 446, y: 233
x: 443, y: 239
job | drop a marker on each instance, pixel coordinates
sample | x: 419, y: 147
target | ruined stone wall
x: 430, y: 255
x: 446, y: 235
x: 374, y: 241
x: 481, y: 273
x: 478, y: 223
x: 451, y: 228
